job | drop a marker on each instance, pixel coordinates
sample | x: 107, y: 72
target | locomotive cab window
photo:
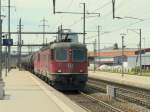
x: 61, y: 54
x: 51, y: 56
x: 79, y: 55
x: 38, y: 57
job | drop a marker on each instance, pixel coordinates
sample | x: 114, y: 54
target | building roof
x: 143, y: 51
x: 114, y: 53
x: 119, y: 49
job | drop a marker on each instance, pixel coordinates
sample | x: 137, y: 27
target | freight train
x: 64, y: 65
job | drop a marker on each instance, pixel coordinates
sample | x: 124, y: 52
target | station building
x: 113, y: 57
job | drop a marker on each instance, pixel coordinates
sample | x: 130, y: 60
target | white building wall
x: 132, y: 61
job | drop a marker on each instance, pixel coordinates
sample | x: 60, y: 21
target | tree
x: 115, y: 46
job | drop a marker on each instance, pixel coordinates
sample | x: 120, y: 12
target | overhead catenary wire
x: 70, y: 4
x: 75, y: 22
x: 92, y: 37
x: 122, y: 27
x: 110, y: 12
x: 122, y: 3
x: 103, y: 6
x: 126, y: 26
x: 62, y: 16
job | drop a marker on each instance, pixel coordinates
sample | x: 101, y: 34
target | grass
x: 147, y: 74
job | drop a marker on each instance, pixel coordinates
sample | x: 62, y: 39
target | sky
x: 33, y: 11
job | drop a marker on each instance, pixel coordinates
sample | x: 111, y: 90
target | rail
x: 111, y: 108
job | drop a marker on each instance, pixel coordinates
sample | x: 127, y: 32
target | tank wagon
x: 27, y: 62
x: 61, y: 64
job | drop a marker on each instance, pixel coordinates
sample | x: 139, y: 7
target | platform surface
x: 128, y: 80
x: 26, y: 93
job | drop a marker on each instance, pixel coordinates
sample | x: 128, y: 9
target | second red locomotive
x: 62, y: 64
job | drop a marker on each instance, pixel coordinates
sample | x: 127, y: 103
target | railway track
x: 102, y: 104
x: 132, y: 96
x: 141, y: 95
x: 92, y: 104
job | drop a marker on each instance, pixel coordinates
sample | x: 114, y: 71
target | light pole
x: 20, y: 43
x: 140, y: 46
x: 1, y: 78
x: 123, y: 55
x: 83, y: 23
x: 9, y: 35
x: 94, y: 48
x: 140, y: 51
x: 6, y: 57
x: 99, y: 45
x: 144, y: 46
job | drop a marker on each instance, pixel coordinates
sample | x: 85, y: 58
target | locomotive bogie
x: 70, y: 81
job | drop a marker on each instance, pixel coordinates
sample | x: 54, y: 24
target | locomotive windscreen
x: 79, y: 55
x: 61, y: 54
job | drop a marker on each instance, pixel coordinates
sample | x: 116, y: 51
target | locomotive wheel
x: 47, y: 80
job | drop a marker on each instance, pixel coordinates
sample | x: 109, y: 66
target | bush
x: 136, y: 69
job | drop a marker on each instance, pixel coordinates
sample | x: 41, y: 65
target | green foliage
x: 116, y: 46
x: 136, y: 69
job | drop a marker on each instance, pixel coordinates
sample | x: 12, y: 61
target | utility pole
x: 6, y: 58
x: 140, y: 52
x: 94, y: 48
x: 140, y: 47
x: 44, y: 21
x: 19, y: 43
x: 54, y: 6
x: 122, y: 55
x: 83, y: 23
x: 113, y: 6
x: 46, y: 41
x: 9, y: 35
x: 99, y: 45
x: 84, y: 16
x: 29, y: 50
x: 144, y: 47
x: 1, y: 78
x: 61, y: 31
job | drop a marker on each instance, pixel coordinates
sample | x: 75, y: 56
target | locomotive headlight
x: 81, y: 70
x: 59, y: 71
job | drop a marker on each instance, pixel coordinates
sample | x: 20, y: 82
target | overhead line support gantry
x: 84, y: 14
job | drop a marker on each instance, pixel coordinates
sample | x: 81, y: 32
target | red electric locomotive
x: 63, y: 65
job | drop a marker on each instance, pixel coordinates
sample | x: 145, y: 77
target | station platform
x: 24, y: 92
x: 141, y: 82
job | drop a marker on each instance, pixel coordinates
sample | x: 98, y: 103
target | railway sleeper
x: 133, y: 100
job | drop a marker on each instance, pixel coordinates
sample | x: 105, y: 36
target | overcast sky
x: 33, y: 11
